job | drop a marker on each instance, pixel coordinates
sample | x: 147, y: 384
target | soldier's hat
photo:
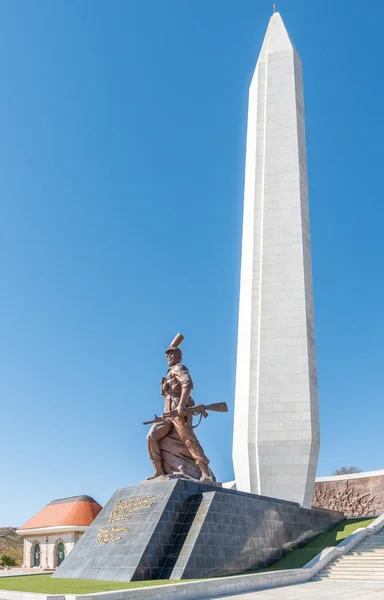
x: 172, y: 349
x: 174, y: 346
x: 176, y: 351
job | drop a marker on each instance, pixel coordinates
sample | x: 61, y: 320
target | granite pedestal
x: 182, y: 529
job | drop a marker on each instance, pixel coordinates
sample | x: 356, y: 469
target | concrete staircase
x: 364, y: 561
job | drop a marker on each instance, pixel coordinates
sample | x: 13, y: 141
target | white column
x: 276, y: 429
x: 27, y: 554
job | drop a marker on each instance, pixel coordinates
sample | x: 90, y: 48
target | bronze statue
x: 172, y: 444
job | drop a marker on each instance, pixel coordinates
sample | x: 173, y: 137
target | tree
x: 7, y: 561
x: 346, y: 471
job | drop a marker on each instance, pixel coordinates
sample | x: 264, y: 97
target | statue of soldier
x: 176, y: 388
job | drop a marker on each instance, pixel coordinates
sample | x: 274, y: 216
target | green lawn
x: 298, y: 558
x: 44, y: 584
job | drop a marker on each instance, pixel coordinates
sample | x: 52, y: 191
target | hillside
x: 11, y: 544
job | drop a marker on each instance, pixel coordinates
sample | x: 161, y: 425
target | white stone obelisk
x: 276, y: 429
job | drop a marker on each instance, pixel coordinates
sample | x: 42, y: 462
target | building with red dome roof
x: 52, y: 533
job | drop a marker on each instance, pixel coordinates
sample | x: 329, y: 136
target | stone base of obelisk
x: 183, y: 529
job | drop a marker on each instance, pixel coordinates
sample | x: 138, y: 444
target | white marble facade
x: 276, y: 429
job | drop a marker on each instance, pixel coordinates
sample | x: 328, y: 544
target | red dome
x: 77, y: 511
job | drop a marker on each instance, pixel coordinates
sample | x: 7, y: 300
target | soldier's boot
x: 205, y: 472
x: 159, y: 469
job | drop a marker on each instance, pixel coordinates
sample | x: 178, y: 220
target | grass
x: 44, y: 584
x: 295, y: 559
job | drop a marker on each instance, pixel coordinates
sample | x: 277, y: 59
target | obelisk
x: 276, y: 429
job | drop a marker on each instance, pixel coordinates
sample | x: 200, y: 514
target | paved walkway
x: 12, y: 572
x: 318, y: 590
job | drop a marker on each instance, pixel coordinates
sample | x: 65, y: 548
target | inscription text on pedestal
x: 124, y: 508
x: 109, y: 534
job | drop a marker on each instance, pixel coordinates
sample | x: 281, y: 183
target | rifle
x: 198, y: 409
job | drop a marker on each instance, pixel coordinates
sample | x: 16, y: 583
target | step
x: 360, y: 563
x: 355, y: 578
x: 353, y: 575
x: 366, y: 553
x: 349, y: 575
x: 362, y: 559
x: 349, y: 569
x: 344, y: 579
x: 372, y: 543
x: 356, y: 570
x: 378, y: 554
x: 368, y: 550
x: 365, y: 556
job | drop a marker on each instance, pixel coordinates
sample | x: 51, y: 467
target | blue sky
x: 122, y: 145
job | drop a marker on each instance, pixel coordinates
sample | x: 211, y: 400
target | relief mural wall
x: 355, y: 497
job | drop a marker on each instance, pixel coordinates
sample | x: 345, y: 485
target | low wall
x: 356, y: 495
